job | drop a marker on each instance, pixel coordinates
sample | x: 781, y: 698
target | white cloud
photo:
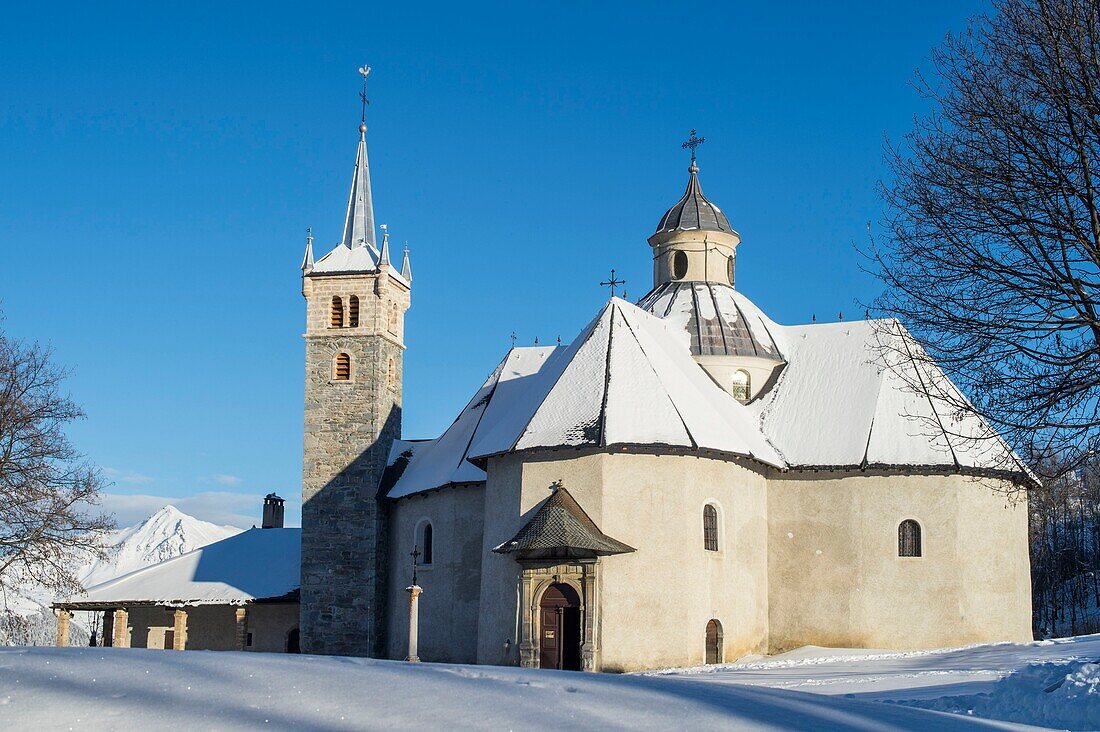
x: 220, y: 507
x: 127, y: 476
x: 224, y: 479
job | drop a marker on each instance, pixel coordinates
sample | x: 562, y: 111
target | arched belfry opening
x: 560, y: 628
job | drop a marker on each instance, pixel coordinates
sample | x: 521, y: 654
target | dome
x: 716, y: 319
x: 694, y: 211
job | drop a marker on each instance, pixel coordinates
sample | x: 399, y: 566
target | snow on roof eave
x: 433, y: 489
x: 481, y: 461
x: 197, y: 602
x: 1019, y: 477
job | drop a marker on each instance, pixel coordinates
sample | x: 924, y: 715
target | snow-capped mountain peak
x: 26, y: 618
x: 167, y: 533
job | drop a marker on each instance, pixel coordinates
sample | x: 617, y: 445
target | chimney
x: 273, y: 511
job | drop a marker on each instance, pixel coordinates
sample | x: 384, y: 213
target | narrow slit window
x: 391, y: 372
x: 336, y: 313
x: 909, y: 540
x: 428, y: 548
x: 710, y: 528
x: 353, y: 312
x: 342, y: 370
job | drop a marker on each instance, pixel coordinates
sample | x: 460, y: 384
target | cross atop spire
x: 364, y: 71
x: 691, y: 143
x: 359, y: 220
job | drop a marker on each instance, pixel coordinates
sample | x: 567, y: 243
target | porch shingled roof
x: 561, y: 529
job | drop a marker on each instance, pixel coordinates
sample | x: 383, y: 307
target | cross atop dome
x: 691, y: 143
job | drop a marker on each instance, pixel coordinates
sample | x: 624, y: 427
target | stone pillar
x: 121, y: 629
x: 414, y: 621
x: 242, y: 629
x: 63, y: 628
x: 179, y: 630
x: 588, y: 620
x: 528, y: 651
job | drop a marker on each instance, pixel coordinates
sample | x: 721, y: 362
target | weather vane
x: 691, y: 143
x: 612, y: 283
x: 364, y: 71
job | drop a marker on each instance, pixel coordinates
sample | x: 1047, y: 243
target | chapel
x: 685, y: 482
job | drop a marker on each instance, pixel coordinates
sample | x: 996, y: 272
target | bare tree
x: 47, y: 491
x: 993, y: 259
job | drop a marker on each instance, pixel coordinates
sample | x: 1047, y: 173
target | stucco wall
x: 655, y: 602
x: 270, y: 624
x: 836, y: 578
x: 452, y: 584
x: 214, y: 627
x: 655, y: 504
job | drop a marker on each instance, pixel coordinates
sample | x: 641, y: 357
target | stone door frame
x: 536, y: 578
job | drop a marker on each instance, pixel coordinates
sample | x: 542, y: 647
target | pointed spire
x: 384, y: 254
x: 359, y: 220
x: 406, y: 269
x: 307, y: 261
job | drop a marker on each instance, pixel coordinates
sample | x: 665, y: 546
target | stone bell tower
x: 355, y: 308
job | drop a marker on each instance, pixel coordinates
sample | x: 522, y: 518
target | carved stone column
x: 179, y: 630
x: 63, y: 628
x: 241, y: 636
x: 591, y: 613
x: 121, y: 629
x: 528, y: 650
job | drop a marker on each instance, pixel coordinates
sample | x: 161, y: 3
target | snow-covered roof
x: 837, y: 404
x: 348, y: 259
x: 253, y: 565
x: 626, y: 380
x: 713, y: 319
x: 416, y: 466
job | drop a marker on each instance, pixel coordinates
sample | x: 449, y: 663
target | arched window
x: 353, y: 312
x: 425, y: 543
x: 342, y: 367
x: 395, y: 315
x: 679, y: 265
x: 710, y: 528
x: 740, y: 385
x: 391, y: 372
x: 729, y: 270
x: 909, y: 539
x: 336, y: 313
x: 714, y: 641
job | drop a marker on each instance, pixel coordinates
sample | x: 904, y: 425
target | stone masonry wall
x: 349, y: 428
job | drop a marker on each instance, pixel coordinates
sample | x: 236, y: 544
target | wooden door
x: 559, y: 611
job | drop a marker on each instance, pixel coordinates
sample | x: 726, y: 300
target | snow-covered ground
x: 813, y: 688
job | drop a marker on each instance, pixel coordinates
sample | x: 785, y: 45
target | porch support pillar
x: 63, y: 628
x: 242, y: 628
x: 121, y: 629
x: 179, y: 630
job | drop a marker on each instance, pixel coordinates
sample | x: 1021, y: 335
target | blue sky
x: 161, y: 163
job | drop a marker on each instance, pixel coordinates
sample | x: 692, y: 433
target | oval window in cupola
x: 679, y: 265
